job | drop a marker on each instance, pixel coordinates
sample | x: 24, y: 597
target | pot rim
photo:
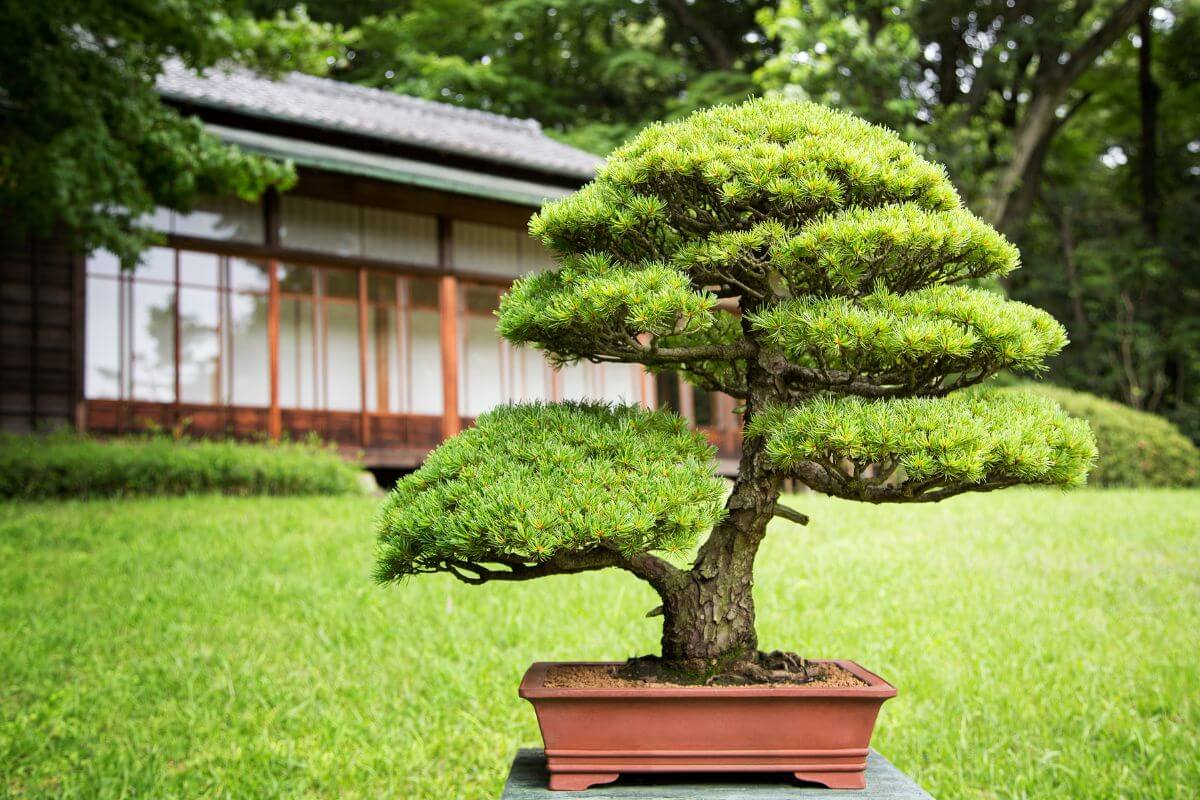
x: 533, y: 686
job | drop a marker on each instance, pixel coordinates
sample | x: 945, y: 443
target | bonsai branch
x: 790, y: 514
x: 659, y: 573
x: 802, y: 381
x: 832, y: 480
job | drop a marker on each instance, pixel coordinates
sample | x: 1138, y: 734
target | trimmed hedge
x: 1136, y: 448
x: 63, y: 465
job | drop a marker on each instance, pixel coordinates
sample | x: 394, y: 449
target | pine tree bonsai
x: 797, y: 258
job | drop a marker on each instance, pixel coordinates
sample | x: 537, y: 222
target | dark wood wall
x: 41, y: 334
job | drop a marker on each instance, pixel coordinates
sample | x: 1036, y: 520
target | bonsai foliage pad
x: 819, y: 734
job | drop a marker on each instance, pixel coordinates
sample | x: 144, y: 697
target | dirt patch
x: 592, y: 676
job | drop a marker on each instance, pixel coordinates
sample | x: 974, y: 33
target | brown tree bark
x: 708, y: 613
x: 708, y: 36
x: 1049, y: 91
x: 1148, y: 94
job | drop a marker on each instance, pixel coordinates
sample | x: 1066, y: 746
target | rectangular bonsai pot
x: 819, y: 734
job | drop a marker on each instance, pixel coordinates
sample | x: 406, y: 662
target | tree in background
x: 990, y: 83
x: 86, y: 145
x: 1075, y: 135
x: 797, y: 258
x: 592, y: 71
x: 1113, y: 235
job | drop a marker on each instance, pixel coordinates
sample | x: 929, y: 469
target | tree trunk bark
x: 1148, y: 94
x: 708, y: 615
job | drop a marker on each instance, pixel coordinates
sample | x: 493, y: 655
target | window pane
x: 667, y: 386
x: 383, y: 361
x: 199, y: 346
x: 531, y: 375
x: 248, y: 364
x: 225, y: 218
x: 297, y: 376
x: 161, y: 220
x: 702, y: 406
x: 157, y: 264
x: 423, y: 292
x: 102, y: 355
x: 295, y: 280
x: 320, y: 226
x: 481, y: 299
x: 341, y: 283
x: 480, y: 381
x: 424, y: 390
x: 574, y: 382
x: 619, y: 383
x: 381, y: 287
x: 153, y: 346
x: 341, y: 379
x: 534, y: 256
x: 199, y: 269
x: 102, y: 262
x: 489, y: 249
x: 248, y: 276
x: 396, y: 236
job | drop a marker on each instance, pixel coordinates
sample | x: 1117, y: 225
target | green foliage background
x: 1136, y: 448
x: 1104, y: 219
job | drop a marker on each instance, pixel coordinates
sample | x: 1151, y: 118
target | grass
x: 1044, y: 645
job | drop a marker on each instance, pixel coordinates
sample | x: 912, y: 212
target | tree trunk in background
x: 1074, y: 289
x: 1148, y: 94
x: 709, y: 37
x: 1037, y: 121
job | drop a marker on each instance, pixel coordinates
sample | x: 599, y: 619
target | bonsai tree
x: 797, y: 258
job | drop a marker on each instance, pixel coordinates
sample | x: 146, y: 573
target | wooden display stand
x: 528, y: 780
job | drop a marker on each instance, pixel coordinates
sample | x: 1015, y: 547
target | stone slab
x: 527, y: 780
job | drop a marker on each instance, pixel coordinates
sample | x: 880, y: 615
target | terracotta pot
x: 819, y: 734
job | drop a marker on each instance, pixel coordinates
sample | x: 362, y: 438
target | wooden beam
x: 448, y: 311
x: 364, y: 426
x: 275, y: 418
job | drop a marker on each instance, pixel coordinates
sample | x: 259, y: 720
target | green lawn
x: 1045, y: 646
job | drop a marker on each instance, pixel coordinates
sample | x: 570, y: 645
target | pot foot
x: 835, y: 780
x: 578, y: 781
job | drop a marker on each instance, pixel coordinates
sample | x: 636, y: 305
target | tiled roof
x: 334, y: 105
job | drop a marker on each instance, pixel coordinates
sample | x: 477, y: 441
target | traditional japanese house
x: 357, y: 306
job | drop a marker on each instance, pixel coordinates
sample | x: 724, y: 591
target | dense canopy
x: 537, y: 482
x: 922, y: 449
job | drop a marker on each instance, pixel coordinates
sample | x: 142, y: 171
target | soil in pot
x: 776, y: 667
x: 603, y: 676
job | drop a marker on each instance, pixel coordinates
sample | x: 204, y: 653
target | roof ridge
x: 397, y: 98
x: 389, y: 116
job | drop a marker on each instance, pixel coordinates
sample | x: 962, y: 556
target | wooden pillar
x: 78, y: 341
x: 364, y: 418
x: 448, y: 311
x: 274, y: 417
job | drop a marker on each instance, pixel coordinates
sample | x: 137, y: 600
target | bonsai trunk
x: 708, y: 613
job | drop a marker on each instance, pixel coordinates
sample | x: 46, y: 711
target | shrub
x: 1136, y: 448
x: 68, y: 465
